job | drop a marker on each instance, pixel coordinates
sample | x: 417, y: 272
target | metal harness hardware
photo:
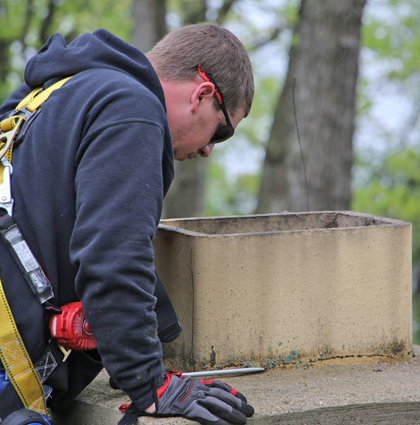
x: 28, y: 264
x: 8, y: 137
x: 6, y: 200
x: 25, y: 378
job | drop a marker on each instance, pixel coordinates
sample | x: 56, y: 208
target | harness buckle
x: 65, y: 352
x: 23, y: 112
x: 7, y: 138
x: 6, y: 200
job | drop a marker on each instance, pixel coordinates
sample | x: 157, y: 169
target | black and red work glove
x: 208, y: 402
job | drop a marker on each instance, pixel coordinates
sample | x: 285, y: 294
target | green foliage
x: 416, y: 318
x: 229, y: 199
x: 259, y: 25
x: 88, y: 16
x: 237, y: 195
x: 25, y: 25
x: 393, y: 190
x: 393, y: 33
x: 256, y: 127
x: 188, y: 11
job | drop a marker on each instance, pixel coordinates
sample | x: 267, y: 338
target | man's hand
x: 208, y: 402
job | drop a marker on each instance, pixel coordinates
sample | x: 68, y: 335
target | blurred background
x: 335, y: 120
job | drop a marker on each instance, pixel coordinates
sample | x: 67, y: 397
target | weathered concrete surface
x: 284, y: 288
x: 385, y: 394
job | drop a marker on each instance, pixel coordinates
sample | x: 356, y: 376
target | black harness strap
x: 130, y: 415
x: 168, y: 324
x: 45, y: 366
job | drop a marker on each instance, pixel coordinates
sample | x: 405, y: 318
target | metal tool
x: 224, y: 372
x: 6, y: 200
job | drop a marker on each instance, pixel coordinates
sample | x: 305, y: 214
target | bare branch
x: 224, y: 10
x: 43, y: 32
x: 28, y: 16
x: 271, y: 37
x: 196, y: 12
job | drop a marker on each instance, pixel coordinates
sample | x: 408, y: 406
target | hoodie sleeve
x: 119, y: 194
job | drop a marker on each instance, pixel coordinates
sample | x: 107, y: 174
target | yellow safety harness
x: 13, y: 354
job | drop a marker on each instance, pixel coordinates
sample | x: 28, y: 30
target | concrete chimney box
x: 287, y: 290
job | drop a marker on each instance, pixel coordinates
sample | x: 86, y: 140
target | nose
x: 206, y: 151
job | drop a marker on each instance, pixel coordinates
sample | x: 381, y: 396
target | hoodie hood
x: 98, y: 50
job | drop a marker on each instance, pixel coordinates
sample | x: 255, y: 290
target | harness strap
x: 13, y: 354
x: 130, y: 415
x: 44, y: 367
x: 169, y: 327
x: 10, y: 126
x: 17, y: 362
x: 34, y: 100
x: 28, y: 98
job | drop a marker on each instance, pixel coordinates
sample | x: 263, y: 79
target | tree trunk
x: 186, y: 195
x: 149, y: 23
x: 323, y: 66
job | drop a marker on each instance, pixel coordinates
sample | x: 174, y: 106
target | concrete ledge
x: 385, y: 394
x: 374, y: 413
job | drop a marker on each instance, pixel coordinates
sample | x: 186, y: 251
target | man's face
x: 193, y: 118
x: 194, y: 138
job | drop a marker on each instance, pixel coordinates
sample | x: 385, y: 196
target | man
x: 88, y: 184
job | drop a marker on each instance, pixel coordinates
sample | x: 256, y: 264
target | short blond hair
x: 223, y: 56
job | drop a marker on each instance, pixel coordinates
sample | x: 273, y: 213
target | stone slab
x: 385, y: 394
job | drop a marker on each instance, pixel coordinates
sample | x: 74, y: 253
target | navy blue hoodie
x: 88, y: 184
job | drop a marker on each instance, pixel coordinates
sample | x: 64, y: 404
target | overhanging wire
x: 300, y: 144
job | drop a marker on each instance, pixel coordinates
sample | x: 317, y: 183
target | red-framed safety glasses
x: 225, y: 131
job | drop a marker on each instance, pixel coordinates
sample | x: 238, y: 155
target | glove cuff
x: 160, y: 384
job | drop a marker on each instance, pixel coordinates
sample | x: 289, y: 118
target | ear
x: 204, y: 91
